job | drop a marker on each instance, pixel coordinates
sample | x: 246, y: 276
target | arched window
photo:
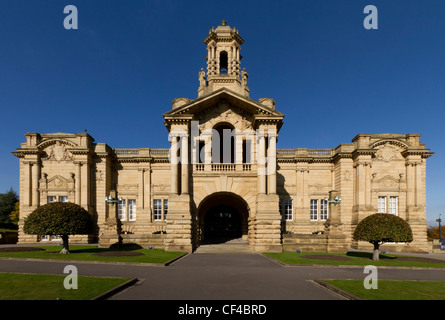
x: 223, y: 143
x: 223, y: 62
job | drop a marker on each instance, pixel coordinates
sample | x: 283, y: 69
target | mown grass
x: 86, y: 253
x: 15, y: 286
x: 394, y: 289
x: 354, y: 258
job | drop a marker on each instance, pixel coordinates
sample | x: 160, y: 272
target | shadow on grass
x: 114, y: 247
x: 368, y: 255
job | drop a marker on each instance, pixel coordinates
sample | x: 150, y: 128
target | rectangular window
x: 63, y: 198
x: 52, y: 199
x: 314, y: 209
x: 393, y: 204
x: 382, y: 205
x: 323, y: 209
x: 165, y: 208
x: 157, y: 210
x: 131, y: 210
x: 121, y: 211
x: 288, y: 210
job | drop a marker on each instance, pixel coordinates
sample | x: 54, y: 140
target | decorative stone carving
x: 244, y: 76
x: 99, y: 175
x: 224, y: 112
x: 57, y: 152
x: 347, y: 176
x: 388, y: 152
x: 127, y: 189
x: 202, y: 78
x: 388, y: 182
x: 159, y: 188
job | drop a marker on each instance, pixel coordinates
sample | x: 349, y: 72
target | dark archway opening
x: 222, y: 217
x: 221, y: 224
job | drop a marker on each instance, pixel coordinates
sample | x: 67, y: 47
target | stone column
x: 272, y: 164
x: 184, y: 165
x: 418, y: 184
x: 174, y: 165
x: 147, y: 191
x: 27, y: 187
x: 77, y: 182
x: 368, y: 185
x: 261, y: 163
x: 35, y: 172
x: 141, y: 189
x: 409, y: 184
x: 360, y: 184
x: 85, y: 186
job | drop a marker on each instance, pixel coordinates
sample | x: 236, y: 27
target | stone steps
x: 231, y: 246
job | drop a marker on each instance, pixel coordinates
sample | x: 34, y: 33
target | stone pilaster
x: 179, y: 224
x: 267, y: 224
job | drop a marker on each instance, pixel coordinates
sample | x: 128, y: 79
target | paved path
x: 227, y: 276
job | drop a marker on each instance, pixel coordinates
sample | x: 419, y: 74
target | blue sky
x: 119, y: 71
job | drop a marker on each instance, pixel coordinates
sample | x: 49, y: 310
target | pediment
x: 217, y: 103
x: 58, y: 182
x: 388, y: 181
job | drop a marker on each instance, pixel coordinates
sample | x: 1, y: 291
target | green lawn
x: 394, y: 289
x: 351, y: 258
x: 15, y: 286
x: 78, y: 252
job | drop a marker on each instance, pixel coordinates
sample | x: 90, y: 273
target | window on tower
x: 223, y: 62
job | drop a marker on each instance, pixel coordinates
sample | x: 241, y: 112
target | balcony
x: 223, y: 167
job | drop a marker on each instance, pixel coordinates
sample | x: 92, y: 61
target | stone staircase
x: 230, y: 246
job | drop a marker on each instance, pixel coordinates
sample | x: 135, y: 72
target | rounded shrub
x: 379, y: 228
x: 59, y: 218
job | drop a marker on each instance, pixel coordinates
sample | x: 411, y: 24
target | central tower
x: 223, y: 62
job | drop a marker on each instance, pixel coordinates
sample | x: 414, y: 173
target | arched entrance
x: 222, y: 216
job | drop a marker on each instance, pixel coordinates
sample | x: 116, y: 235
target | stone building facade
x: 222, y: 175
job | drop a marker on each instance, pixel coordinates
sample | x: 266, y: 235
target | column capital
x: 362, y: 163
x: 31, y: 162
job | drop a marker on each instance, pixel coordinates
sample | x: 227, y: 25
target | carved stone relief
x: 57, y: 152
x: 127, y: 189
x: 224, y: 113
x: 388, y: 152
